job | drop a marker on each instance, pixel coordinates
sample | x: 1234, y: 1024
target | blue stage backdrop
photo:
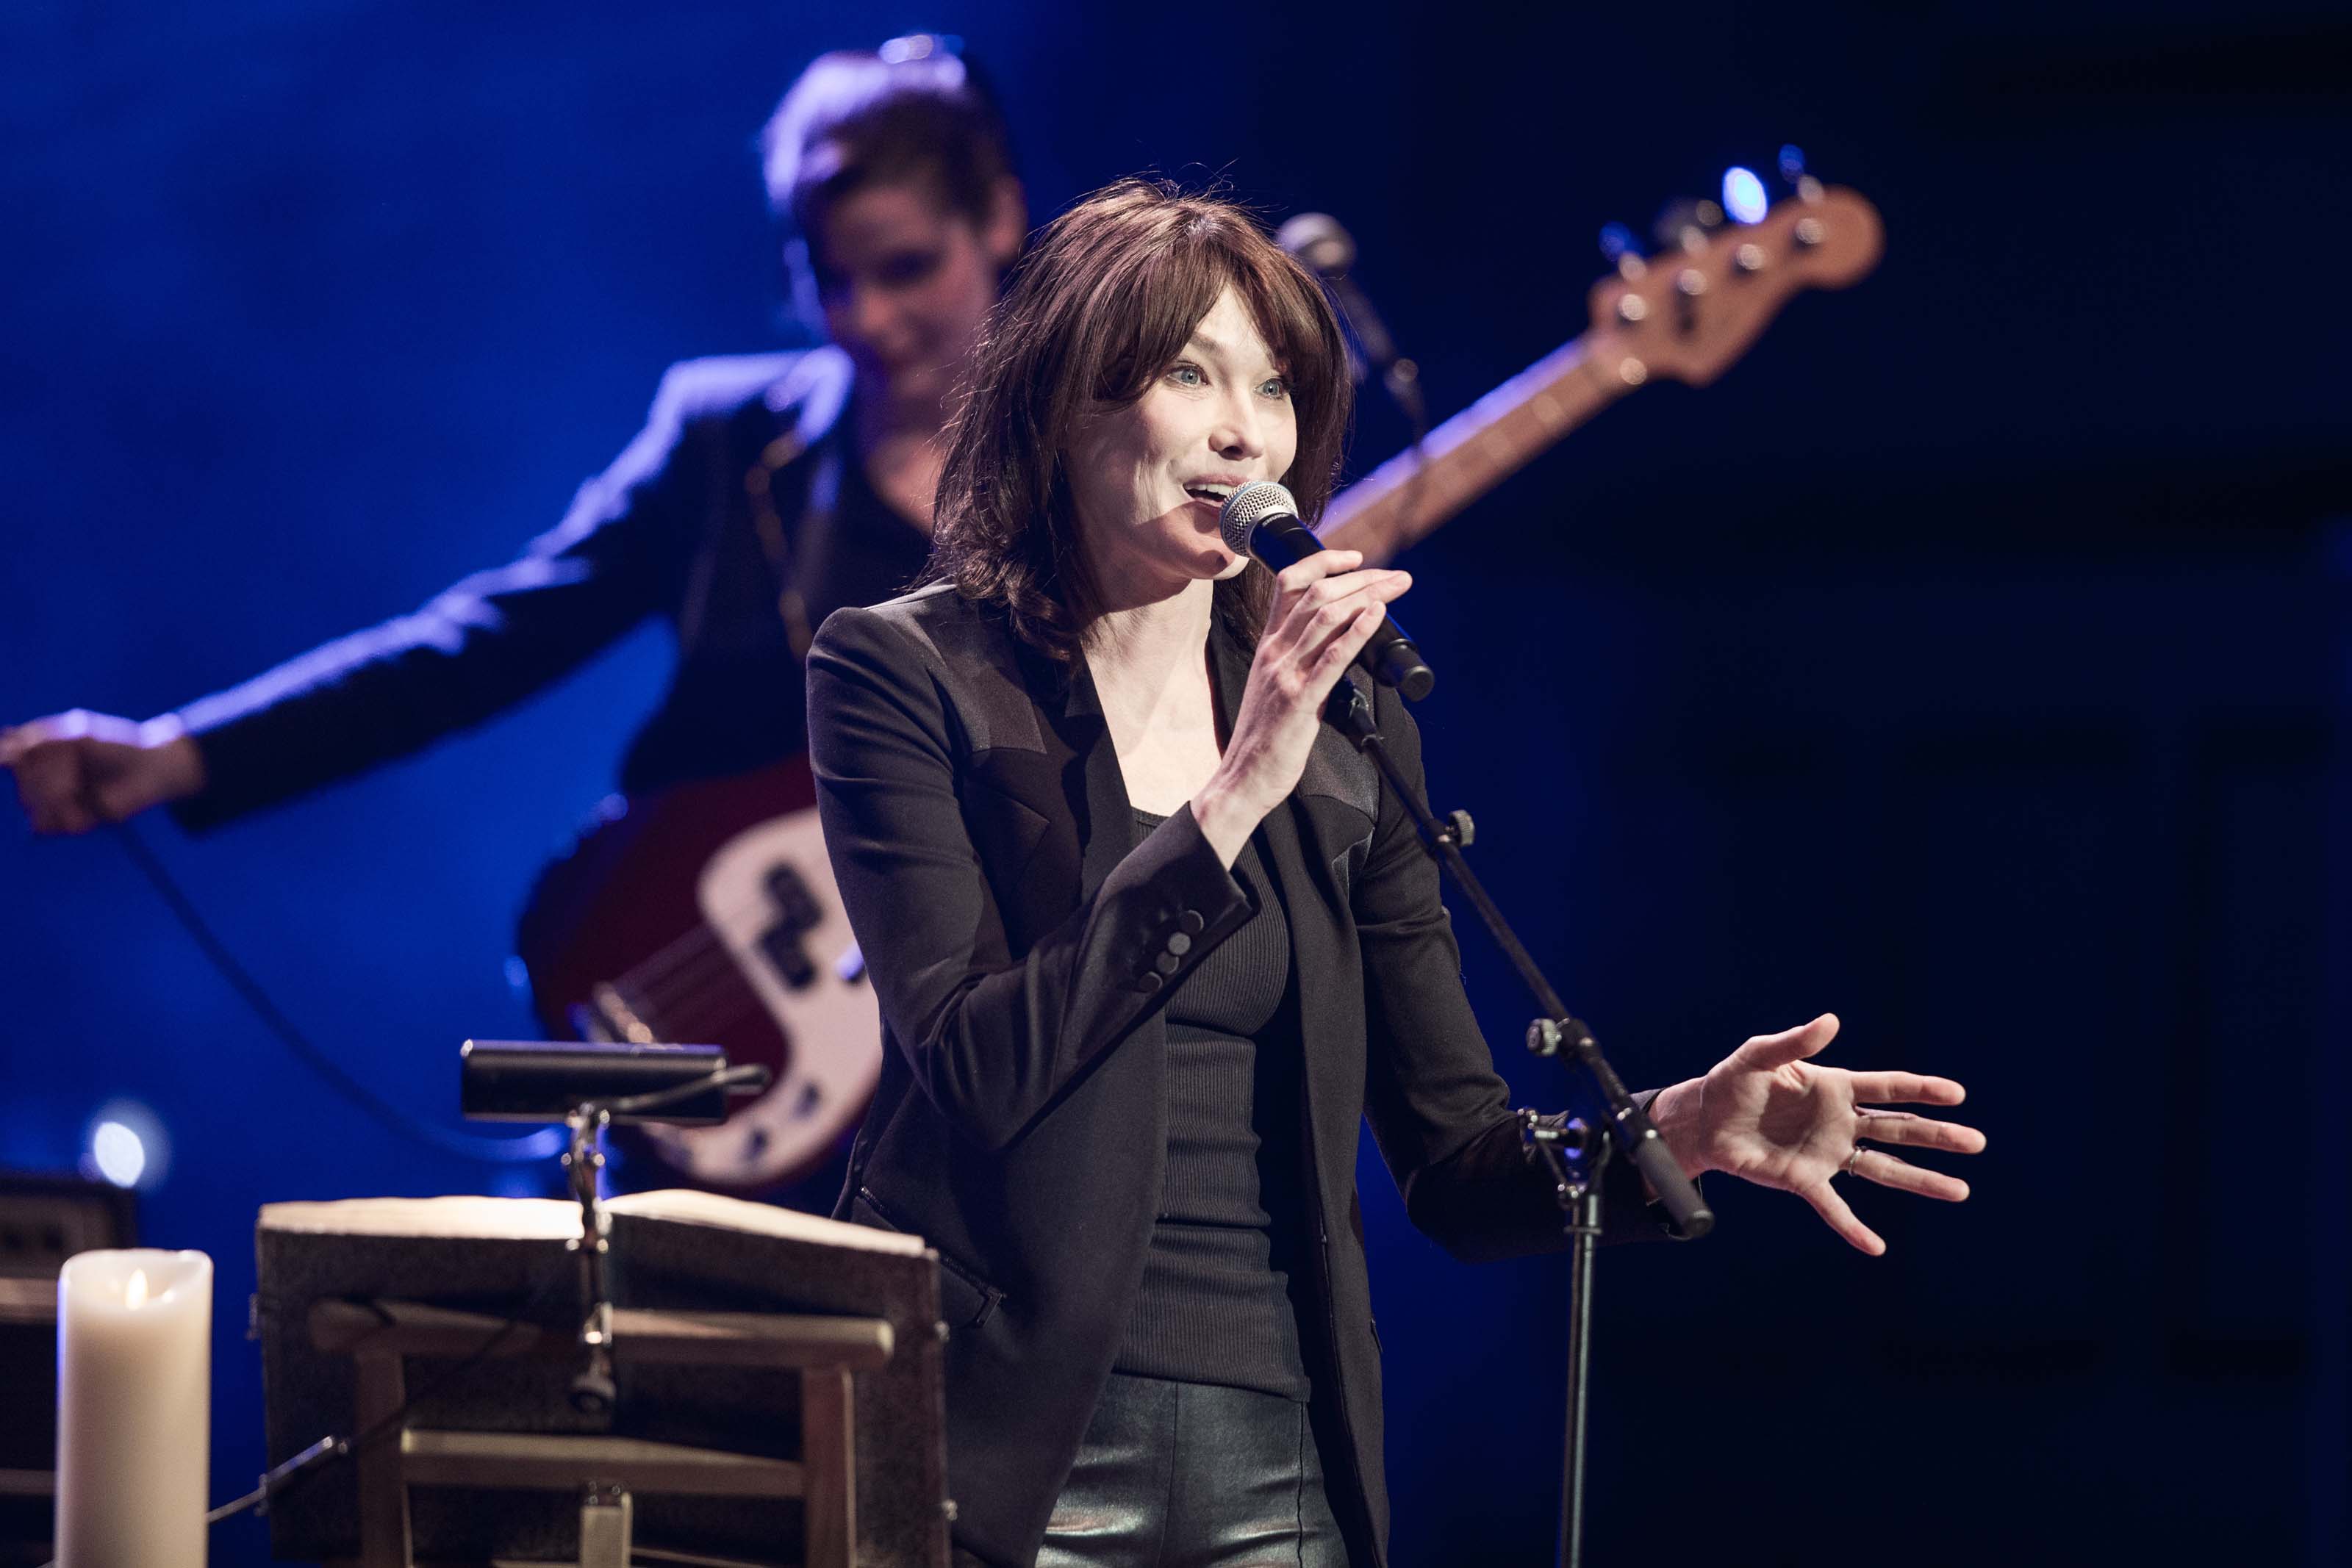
x: 1972, y: 660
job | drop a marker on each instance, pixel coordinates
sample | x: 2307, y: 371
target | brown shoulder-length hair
x: 1104, y: 302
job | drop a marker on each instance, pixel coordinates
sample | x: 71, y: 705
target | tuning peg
x: 1684, y: 224
x: 1793, y: 170
x: 1617, y: 243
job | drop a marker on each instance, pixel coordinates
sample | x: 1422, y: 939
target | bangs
x: 1173, y: 290
x: 1294, y: 319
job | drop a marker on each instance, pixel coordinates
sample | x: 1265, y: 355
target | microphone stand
x: 1576, y: 1153
x: 594, y: 1391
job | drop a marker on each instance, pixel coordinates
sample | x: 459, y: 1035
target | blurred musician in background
x: 1151, y: 940
x: 764, y: 491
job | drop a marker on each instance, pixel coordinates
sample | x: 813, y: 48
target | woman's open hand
x: 1325, y: 611
x: 1766, y: 1114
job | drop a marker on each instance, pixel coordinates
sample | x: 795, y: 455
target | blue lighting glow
x: 118, y: 1153
x: 126, y: 1145
x: 1743, y: 196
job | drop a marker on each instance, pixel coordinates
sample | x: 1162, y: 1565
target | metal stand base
x: 1576, y: 1156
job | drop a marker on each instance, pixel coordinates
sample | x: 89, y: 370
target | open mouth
x: 1214, y: 495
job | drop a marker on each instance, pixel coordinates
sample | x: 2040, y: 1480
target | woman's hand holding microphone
x: 1325, y: 611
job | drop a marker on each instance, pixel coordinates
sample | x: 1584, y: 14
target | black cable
x: 349, y: 1448
x: 749, y: 1074
x: 531, y: 1146
x: 231, y: 1510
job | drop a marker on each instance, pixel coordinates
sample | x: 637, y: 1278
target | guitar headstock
x: 1687, y: 311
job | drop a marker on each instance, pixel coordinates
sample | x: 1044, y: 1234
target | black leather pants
x: 1185, y: 1475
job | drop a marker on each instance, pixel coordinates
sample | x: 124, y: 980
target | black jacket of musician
x: 1024, y: 942
x: 736, y: 512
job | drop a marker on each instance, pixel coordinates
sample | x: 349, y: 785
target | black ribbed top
x: 1216, y: 1304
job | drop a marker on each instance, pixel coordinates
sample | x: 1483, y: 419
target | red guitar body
x: 707, y: 914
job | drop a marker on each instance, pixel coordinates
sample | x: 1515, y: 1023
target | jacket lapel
x: 1107, y: 819
x: 1302, y: 837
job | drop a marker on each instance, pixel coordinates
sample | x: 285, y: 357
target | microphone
x: 1262, y: 519
x: 1322, y: 245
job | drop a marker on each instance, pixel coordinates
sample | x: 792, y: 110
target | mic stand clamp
x: 593, y: 1394
x: 1577, y: 1157
x: 592, y: 1391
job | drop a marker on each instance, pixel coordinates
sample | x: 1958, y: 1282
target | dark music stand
x: 819, y: 1440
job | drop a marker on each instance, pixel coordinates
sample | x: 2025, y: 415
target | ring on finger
x: 1853, y: 1159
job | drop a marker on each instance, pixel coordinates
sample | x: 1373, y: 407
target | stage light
x: 1743, y: 196
x: 126, y: 1145
x: 118, y: 1155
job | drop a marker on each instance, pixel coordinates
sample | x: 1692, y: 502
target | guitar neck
x: 1405, y: 499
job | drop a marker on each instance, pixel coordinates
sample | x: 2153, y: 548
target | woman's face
x: 1148, y: 481
x: 906, y: 283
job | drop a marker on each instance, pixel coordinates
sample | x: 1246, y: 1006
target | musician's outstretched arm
x: 79, y: 769
x: 484, y: 643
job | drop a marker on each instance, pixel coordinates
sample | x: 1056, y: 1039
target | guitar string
x: 691, y: 946
x: 679, y: 983
x: 680, y: 969
x: 748, y: 1005
x: 682, y: 980
x: 686, y: 946
x: 677, y: 1014
x: 684, y: 1007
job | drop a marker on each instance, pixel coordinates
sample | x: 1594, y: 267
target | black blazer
x: 667, y: 530
x: 1022, y: 943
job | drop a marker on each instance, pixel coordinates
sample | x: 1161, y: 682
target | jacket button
x: 1179, y: 944
x: 1192, y: 923
x: 1167, y: 964
x: 1149, y: 984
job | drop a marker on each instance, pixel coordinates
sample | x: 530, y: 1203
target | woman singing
x: 1151, y: 941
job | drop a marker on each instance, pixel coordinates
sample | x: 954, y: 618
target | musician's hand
x: 1325, y: 611
x: 75, y: 770
x: 1767, y: 1114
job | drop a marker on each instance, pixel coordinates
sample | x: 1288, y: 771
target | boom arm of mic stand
x: 1557, y: 1032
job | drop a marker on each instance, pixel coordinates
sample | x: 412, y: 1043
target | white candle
x: 134, y: 1408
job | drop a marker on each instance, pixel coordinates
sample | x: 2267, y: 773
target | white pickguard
x: 833, y: 1025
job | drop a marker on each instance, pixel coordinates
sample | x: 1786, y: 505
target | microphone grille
x: 1248, y: 506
